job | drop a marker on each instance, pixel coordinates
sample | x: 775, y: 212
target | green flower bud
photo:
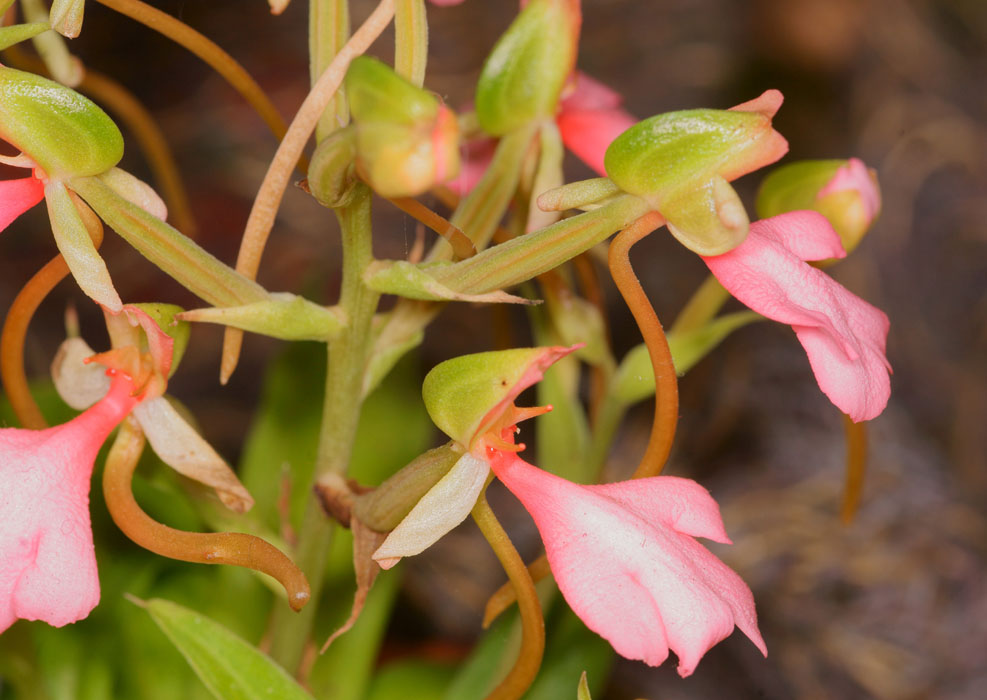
x: 527, y: 69
x: 846, y: 192
x: 406, y: 140
x: 681, y: 162
x: 59, y: 129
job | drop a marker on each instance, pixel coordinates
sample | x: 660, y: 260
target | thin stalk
x: 704, y: 304
x: 208, y: 51
x: 268, y: 199
x: 856, y: 467
x: 666, y: 381
x: 18, y: 319
x: 234, y: 548
x: 529, y: 657
x: 410, y: 40
x: 348, y: 357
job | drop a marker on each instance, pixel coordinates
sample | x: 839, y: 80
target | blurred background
x: 893, y: 606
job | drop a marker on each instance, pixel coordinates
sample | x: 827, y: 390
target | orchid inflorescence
x: 624, y: 555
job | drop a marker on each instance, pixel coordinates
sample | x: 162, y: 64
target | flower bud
x: 681, y: 162
x: 846, y: 192
x: 406, y: 139
x: 528, y: 67
x: 66, y: 134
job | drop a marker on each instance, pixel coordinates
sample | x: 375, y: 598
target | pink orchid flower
x: 47, y: 562
x: 589, y: 118
x: 623, y: 554
x: 843, y: 336
x: 626, y: 561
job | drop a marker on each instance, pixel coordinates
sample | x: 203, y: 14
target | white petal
x: 184, y: 450
x: 444, y: 506
x: 80, y: 385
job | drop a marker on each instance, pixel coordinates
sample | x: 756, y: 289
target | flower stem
x: 506, y: 595
x: 523, y: 673
x: 856, y: 466
x: 235, y: 548
x: 348, y: 356
x: 208, y: 51
x: 268, y: 199
x: 666, y: 382
x: 19, y: 317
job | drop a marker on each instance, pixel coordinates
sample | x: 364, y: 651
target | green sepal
x: 465, y: 395
x: 635, y: 378
x: 59, y: 129
x: 524, y: 75
x: 231, y: 668
x: 710, y: 220
x: 680, y: 163
x: 167, y: 318
x: 578, y: 195
x: 20, y: 32
x: 76, y: 247
x: 412, y: 281
x: 282, y: 315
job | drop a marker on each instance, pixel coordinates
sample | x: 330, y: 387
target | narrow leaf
x: 230, y: 668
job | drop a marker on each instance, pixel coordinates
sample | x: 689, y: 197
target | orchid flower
x: 47, y: 562
x: 63, y: 135
x: 843, y: 336
x: 623, y: 554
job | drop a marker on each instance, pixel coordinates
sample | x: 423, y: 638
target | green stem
x: 608, y: 418
x: 328, y: 31
x: 705, y: 303
x: 410, y: 40
x: 348, y: 357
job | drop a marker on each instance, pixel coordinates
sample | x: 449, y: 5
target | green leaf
x: 20, y: 32
x: 230, y: 667
x: 412, y: 281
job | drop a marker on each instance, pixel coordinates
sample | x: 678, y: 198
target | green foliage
x: 230, y: 667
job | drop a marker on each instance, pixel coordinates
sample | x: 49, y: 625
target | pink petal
x: 641, y: 585
x: 855, y: 176
x: 47, y: 565
x: 17, y: 196
x: 843, y: 335
x: 680, y: 504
